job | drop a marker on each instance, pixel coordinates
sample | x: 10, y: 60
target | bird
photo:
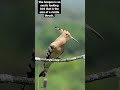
x: 56, y: 48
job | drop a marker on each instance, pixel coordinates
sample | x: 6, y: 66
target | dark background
x: 17, y: 21
x: 17, y: 40
x: 104, y: 17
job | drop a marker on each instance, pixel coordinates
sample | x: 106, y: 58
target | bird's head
x: 66, y: 34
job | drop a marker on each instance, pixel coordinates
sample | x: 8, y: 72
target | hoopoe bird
x: 56, y: 48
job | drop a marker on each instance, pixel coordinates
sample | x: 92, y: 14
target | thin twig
x: 45, y: 83
x: 102, y: 75
x: 60, y: 60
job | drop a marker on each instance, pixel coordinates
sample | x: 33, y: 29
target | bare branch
x: 102, y: 75
x: 5, y: 78
x: 60, y: 60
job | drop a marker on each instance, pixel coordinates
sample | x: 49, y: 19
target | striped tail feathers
x: 45, y: 70
x: 43, y: 73
x: 46, y: 65
x: 50, y: 50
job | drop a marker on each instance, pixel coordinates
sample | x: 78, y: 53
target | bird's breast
x: 57, y: 52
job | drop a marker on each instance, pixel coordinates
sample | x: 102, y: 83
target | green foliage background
x: 62, y: 76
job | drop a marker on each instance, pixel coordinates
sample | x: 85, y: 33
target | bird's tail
x: 44, y: 71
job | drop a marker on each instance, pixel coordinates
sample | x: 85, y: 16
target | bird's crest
x: 62, y: 30
x: 66, y: 34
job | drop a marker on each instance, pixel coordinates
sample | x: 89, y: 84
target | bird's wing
x: 50, y: 50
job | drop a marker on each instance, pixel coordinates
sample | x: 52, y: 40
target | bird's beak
x: 74, y: 39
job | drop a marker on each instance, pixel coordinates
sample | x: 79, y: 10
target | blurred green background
x: 17, y: 27
x: 62, y: 76
x: 104, y: 17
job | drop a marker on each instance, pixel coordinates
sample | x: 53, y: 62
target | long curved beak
x: 74, y: 39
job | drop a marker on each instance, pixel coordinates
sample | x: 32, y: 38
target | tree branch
x: 60, y: 60
x: 102, y: 75
x: 5, y: 78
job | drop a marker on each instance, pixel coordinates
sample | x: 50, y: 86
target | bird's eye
x: 66, y: 34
